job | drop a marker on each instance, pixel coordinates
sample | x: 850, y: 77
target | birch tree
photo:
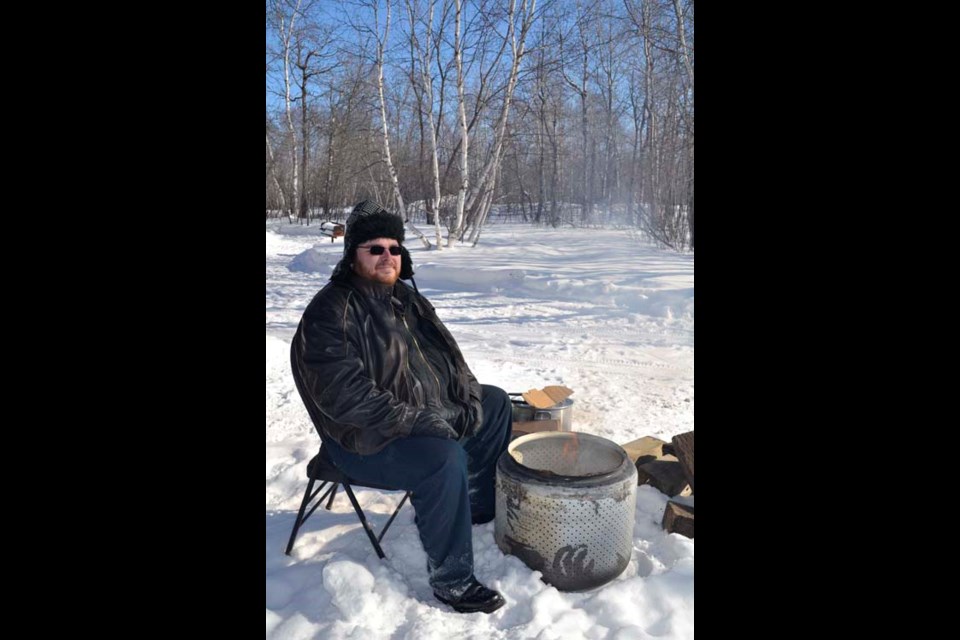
x: 285, y: 14
x: 381, y: 40
x: 686, y: 55
x: 481, y: 195
x: 457, y: 225
x: 468, y: 109
x: 272, y: 170
x: 310, y: 46
x: 422, y: 77
x: 579, y: 84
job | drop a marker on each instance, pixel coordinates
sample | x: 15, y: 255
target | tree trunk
x: 541, y: 132
x: 328, y: 183
x: 434, y: 159
x: 481, y: 218
x: 651, y: 188
x: 386, y: 137
x: 555, y: 174
x: 273, y: 173
x: 304, y: 212
x: 488, y: 176
x: 285, y: 35
x: 457, y: 226
x: 631, y: 186
x: 541, y: 160
x: 681, y: 35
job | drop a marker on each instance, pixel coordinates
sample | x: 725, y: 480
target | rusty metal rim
x: 508, y: 464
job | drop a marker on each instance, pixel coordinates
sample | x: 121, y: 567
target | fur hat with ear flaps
x: 368, y: 221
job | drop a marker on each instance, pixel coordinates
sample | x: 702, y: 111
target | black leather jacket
x: 355, y: 372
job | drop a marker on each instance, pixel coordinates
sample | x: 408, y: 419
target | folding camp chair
x: 321, y: 468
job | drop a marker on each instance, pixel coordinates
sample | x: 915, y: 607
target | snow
x: 599, y: 311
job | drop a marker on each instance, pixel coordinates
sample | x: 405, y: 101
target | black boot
x: 476, y: 598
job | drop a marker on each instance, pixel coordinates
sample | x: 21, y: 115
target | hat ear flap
x: 406, y: 264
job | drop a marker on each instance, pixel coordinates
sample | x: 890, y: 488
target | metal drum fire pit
x: 565, y: 506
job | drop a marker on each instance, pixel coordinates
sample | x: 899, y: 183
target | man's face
x: 384, y: 268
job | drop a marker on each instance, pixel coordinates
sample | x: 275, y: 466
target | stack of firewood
x: 668, y: 467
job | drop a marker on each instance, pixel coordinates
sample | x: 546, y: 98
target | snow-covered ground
x: 599, y: 311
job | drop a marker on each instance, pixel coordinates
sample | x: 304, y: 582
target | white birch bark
x: 424, y: 58
x: 386, y: 136
x: 485, y: 181
x: 276, y: 181
x: 457, y: 226
x: 285, y: 32
x: 681, y: 32
x: 434, y: 155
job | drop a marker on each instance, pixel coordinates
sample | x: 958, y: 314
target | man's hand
x: 474, y: 419
x: 450, y: 414
x: 430, y: 425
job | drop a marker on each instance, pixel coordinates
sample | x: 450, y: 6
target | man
x: 394, y: 402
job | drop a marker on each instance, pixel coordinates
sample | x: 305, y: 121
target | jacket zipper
x: 429, y: 368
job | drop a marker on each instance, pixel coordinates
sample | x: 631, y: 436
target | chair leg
x: 395, y: 512
x: 333, y: 494
x: 307, y: 499
x: 300, y: 516
x: 363, y: 521
x: 310, y: 494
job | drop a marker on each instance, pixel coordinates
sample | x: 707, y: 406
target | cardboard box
x: 547, y: 397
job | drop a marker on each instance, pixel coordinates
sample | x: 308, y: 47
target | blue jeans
x: 452, y: 484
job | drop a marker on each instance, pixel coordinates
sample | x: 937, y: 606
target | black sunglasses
x: 378, y: 249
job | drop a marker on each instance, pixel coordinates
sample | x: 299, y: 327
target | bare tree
x: 482, y: 194
x: 666, y: 188
x: 681, y: 36
x: 381, y: 41
x: 686, y: 54
x: 342, y: 131
x: 580, y: 84
x: 586, y: 114
x: 548, y: 100
x: 457, y: 225
x: 638, y: 112
x: 310, y: 46
x: 608, y: 76
x: 272, y: 170
x: 421, y: 58
x: 285, y: 14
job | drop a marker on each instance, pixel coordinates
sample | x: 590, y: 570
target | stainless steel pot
x: 563, y: 412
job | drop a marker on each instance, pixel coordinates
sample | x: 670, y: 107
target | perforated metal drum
x: 565, y: 506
